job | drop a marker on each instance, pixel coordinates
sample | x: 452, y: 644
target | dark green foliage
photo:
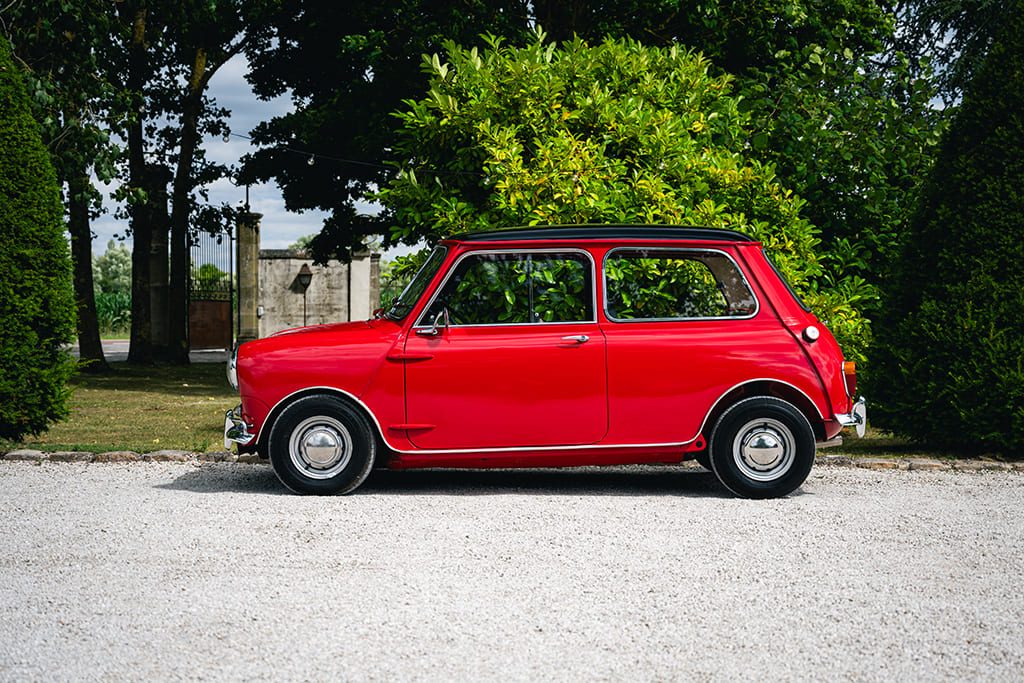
x: 951, y: 37
x: 37, y: 315
x: 114, y: 312
x: 347, y: 70
x: 617, y: 132
x: 952, y: 345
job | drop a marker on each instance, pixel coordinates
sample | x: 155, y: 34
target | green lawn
x: 146, y: 409
x: 143, y: 409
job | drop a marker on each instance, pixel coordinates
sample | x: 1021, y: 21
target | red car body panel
x: 530, y: 395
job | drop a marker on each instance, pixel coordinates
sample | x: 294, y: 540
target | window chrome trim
x: 513, y: 449
x: 420, y: 324
x: 692, y: 250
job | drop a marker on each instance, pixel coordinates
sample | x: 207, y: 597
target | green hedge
x: 952, y: 345
x: 37, y: 309
x: 613, y: 133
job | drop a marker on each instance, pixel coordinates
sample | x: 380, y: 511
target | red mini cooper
x: 557, y: 347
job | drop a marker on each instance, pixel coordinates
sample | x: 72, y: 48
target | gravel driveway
x: 178, y: 571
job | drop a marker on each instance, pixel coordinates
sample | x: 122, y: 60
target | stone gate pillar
x: 248, y: 260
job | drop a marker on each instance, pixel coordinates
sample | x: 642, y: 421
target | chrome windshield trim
x: 443, y: 250
x: 420, y: 324
x: 743, y: 276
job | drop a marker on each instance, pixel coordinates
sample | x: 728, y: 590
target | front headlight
x: 233, y: 369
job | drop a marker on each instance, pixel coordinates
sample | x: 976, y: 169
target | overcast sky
x: 279, y: 227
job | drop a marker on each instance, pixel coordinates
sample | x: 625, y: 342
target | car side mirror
x: 441, y: 323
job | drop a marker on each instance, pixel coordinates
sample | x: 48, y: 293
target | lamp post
x: 303, y: 279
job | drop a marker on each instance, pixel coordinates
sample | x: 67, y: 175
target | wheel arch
x: 340, y: 394
x: 767, y: 387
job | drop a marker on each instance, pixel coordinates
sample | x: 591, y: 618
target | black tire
x: 321, y: 445
x: 762, y: 447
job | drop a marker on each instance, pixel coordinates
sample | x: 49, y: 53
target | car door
x: 508, y: 354
x: 683, y: 328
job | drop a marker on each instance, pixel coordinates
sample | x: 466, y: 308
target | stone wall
x: 337, y: 291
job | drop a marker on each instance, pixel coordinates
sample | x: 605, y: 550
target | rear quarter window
x: 674, y: 284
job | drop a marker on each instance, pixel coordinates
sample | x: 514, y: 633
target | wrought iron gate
x: 211, y: 290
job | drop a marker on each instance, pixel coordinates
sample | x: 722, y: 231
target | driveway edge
x: 826, y: 460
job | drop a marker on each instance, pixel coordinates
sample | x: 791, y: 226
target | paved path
x: 185, y: 571
x: 117, y: 350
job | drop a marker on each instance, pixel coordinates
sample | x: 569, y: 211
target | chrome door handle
x: 578, y: 338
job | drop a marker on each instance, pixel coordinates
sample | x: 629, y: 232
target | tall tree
x: 130, y: 55
x: 74, y: 103
x: 37, y: 305
x: 952, y: 338
x: 848, y: 135
x: 950, y: 37
x: 615, y: 133
x: 205, y: 36
x: 167, y: 53
x: 346, y: 77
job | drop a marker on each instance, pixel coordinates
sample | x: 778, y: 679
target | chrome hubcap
x: 763, y: 449
x: 320, y: 447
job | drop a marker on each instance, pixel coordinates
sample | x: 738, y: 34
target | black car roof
x: 590, y: 232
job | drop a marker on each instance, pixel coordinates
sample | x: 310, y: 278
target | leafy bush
x: 952, y: 343
x: 616, y: 133
x: 37, y: 308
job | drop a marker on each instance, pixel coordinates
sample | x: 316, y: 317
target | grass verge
x: 147, y: 409
x: 142, y: 409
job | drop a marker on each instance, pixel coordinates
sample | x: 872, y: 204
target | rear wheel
x: 762, y: 447
x: 321, y: 445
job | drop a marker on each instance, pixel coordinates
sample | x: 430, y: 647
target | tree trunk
x: 158, y: 177
x: 141, y: 348
x: 178, y: 347
x: 89, y: 347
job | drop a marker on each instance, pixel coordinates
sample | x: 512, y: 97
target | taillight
x: 850, y: 377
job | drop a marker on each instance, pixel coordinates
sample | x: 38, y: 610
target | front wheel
x: 762, y: 447
x: 321, y: 445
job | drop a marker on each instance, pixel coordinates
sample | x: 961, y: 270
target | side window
x: 518, y: 288
x: 660, y: 284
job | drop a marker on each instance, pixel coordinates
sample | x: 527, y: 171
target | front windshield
x: 412, y: 292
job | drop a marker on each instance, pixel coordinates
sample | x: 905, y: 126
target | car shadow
x: 227, y: 478
x: 608, y: 481
x: 604, y: 481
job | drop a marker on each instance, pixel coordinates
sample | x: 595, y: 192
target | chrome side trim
x: 743, y: 276
x: 456, y: 451
x: 420, y: 324
x: 831, y: 443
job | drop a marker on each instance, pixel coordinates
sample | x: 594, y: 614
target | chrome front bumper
x: 235, y: 429
x: 857, y: 417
